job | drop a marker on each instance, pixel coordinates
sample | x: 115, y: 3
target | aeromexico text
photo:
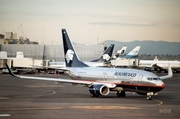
x: 125, y: 74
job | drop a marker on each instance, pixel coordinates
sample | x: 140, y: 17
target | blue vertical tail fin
x: 134, y: 52
x: 71, y: 58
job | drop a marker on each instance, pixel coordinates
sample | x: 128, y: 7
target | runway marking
x: 160, y: 102
x: 72, y: 107
x: 4, y: 98
x: 150, y: 105
x: 31, y: 108
x: 52, y: 93
x: 42, y: 86
x: 30, y: 96
x: 5, y: 115
x: 104, y: 107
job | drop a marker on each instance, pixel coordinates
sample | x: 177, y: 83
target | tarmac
x: 35, y: 99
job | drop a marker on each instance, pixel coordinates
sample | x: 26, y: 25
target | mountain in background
x: 148, y: 47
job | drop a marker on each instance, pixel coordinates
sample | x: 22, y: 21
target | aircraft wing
x: 87, y: 83
x: 50, y: 67
x: 157, y: 66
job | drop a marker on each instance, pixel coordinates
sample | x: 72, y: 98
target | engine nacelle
x: 99, y: 89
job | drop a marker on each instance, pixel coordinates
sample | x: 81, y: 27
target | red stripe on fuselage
x: 126, y: 84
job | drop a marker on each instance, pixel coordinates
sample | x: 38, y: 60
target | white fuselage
x: 161, y: 63
x: 128, y: 78
x: 62, y: 64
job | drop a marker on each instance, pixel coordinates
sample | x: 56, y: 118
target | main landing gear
x: 121, y: 94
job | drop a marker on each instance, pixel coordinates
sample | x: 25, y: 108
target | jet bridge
x: 123, y: 62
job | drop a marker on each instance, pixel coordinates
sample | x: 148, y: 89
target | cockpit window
x: 153, y: 78
x: 149, y: 78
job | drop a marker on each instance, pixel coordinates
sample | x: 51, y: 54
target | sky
x: 92, y: 21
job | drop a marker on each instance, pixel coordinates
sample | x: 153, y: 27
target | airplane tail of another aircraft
x: 121, y: 52
x: 134, y: 52
x: 105, y: 57
x: 71, y: 58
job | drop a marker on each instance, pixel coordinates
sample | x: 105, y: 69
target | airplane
x: 102, y: 80
x: 159, y: 65
x: 120, y: 53
x: 133, y: 53
x: 104, y: 59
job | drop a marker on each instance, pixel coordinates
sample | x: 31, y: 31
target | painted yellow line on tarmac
x: 43, y: 86
x: 160, y: 102
x: 4, y: 98
x: 72, y: 107
x: 52, y: 93
x: 151, y: 105
x: 5, y: 115
x: 104, y: 107
x: 31, y: 108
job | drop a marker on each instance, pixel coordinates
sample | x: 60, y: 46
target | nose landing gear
x: 150, y: 94
x: 149, y: 97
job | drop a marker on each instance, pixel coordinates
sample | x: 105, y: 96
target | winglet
x: 170, y: 73
x: 10, y: 72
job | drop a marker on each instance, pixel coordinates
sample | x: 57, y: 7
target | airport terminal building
x: 52, y: 52
x: 12, y: 44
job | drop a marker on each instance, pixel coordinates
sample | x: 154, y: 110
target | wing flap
x: 157, y: 66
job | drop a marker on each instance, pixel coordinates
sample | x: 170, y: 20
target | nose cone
x: 163, y: 85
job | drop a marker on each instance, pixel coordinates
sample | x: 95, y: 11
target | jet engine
x: 99, y: 89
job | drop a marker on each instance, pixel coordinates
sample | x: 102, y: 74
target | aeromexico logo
x: 127, y: 74
x: 69, y: 55
x: 106, y: 57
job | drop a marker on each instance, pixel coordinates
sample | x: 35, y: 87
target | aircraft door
x: 140, y: 78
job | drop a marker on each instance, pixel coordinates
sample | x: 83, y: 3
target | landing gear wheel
x: 121, y: 94
x: 149, y: 97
